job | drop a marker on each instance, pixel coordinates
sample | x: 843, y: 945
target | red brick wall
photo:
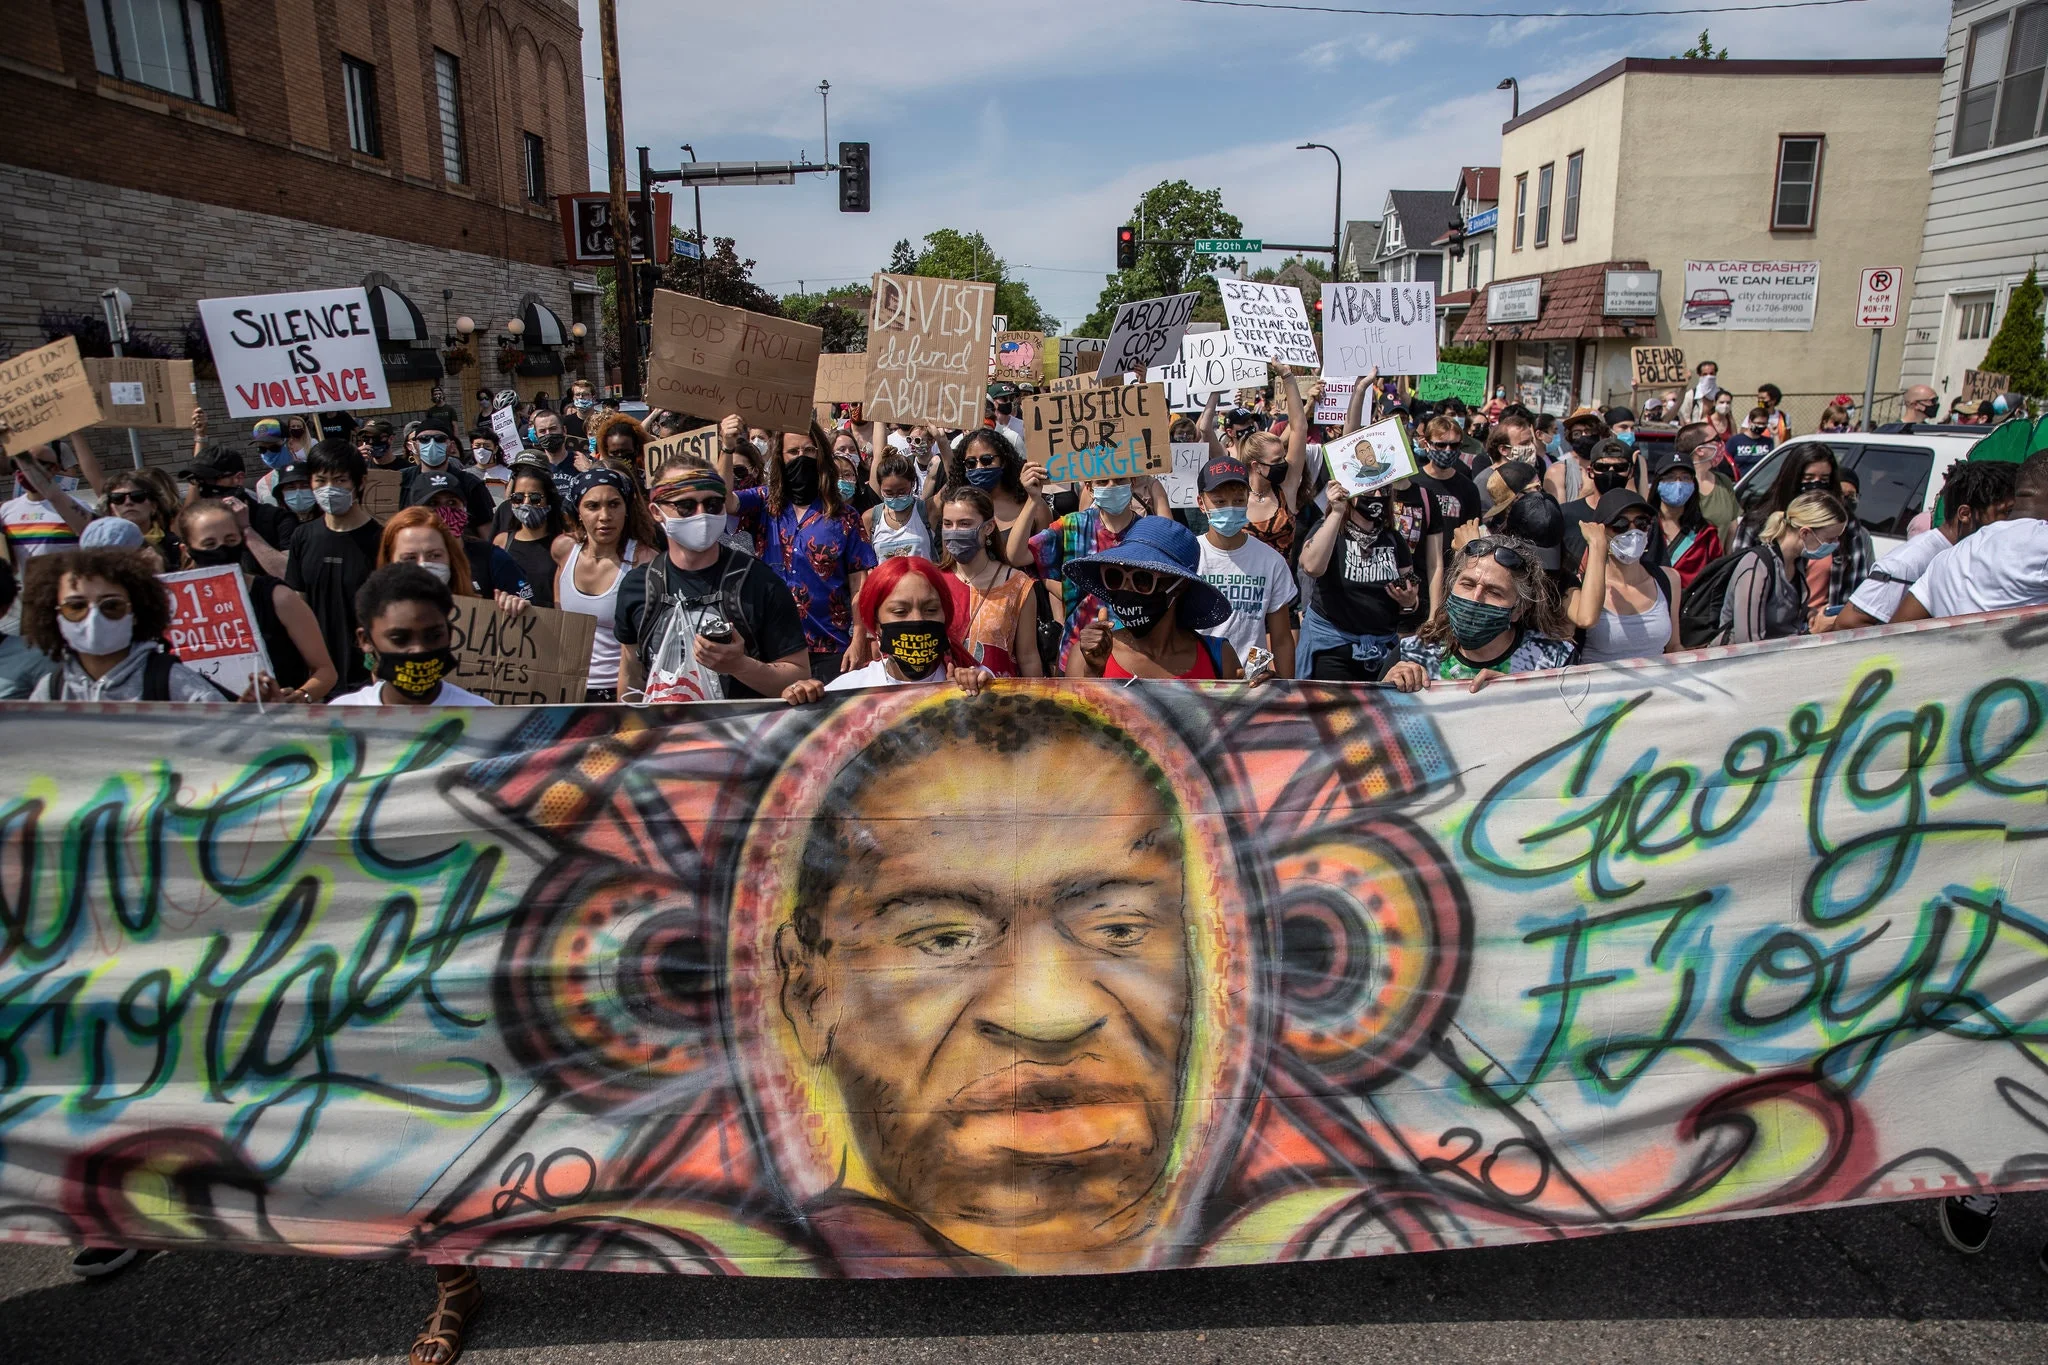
x: 282, y: 145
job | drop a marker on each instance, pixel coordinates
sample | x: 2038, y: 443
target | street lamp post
x: 1337, y: 216
x: 1510, y: 83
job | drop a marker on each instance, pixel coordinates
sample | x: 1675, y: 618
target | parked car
x: 1708, y: 305
x: 1900, y: 472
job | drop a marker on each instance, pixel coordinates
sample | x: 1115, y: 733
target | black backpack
x: 156, y: 678
x: 1699, y: 617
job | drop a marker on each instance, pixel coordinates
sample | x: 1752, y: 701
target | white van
x: 1901, y: 473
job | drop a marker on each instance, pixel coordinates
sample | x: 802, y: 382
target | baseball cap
x: 267, y: 429
x: 1538, y: 520
x: 110, y: 533
x: 1618, y: 414
x: 424, y: 486
x: 437, y: 423
x: 1616, y: 501
x: 291, y: 473
x: 1221, y: 470
x: 213, y: 463
x: 1238, y: 417
x: 377, y: 429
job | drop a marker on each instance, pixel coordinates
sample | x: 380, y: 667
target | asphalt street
x: 1873, y: 1284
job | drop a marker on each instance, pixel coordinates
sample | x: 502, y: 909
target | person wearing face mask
x: 1714, y: 473
x: 1444, y: 477
x: 1611, y: 466
x: 2004, y: 565
x: 538, y: 521
x: 1634, y: 607
x: 407, y: 645
x: 295, y: 508
x: 1362, y: 585
x: 1976, y: 494
x: 551, y: 439
x: 1156, y: 608
x: 1705, y: 390
x: 219, y: 475
x: 268, y: 436
x: 102, y: 616
x: 897, y: 526
x: 212, y: 536
x: 1621, y: 425
x: 615, y: 436
x: 1768, y: 591
x: 1499, y: 618
x: 488, y: 463
x: 1719, y: 415
x: 1748, y: 446
x: 707, y: 621
x: 1567, y: 480
x: 580, y: 408
x: 331, y: 558
x: 1094, y: 529
x: 434, y: 446
x: 1832, y: 577
x: 42, y: 516
x: 997, y: 607
x: 373, y: 440
x: 815, y: 543
x: 986, y: 461
x: 1251, y: 575
x: 1691, y: 541
x: 906, y: 610
x: 476, y: 568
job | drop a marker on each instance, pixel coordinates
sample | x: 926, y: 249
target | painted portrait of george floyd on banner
x: 1057, y: 978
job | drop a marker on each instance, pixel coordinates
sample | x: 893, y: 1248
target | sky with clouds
x: 1039, y: 122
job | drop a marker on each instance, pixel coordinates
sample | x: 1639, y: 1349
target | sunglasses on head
x: 1502, y: 553
x: 683, y: 505
x: 78, y: 608
x: 1143, y: 582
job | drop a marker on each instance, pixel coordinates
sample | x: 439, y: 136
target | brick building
x: 184, y: 149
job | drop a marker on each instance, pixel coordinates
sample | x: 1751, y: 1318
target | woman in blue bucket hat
x: 1151, y: 583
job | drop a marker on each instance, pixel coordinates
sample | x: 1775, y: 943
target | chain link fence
x: 1802, y: 410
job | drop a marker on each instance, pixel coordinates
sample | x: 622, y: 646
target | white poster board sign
x: 1216, y: 365
x: 1749, y: 296
x: 505, y: 426
x: 1188, y: 459
x: 1386, y: 327
x: 1371, y: 457
x: 1269, y: 322
x: 1146, y: 332
x: 314, y: 351
x: 1335, y: 403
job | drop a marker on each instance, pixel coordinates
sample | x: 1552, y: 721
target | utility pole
x: 625, y: 286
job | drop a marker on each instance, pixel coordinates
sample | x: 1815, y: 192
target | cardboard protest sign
x: 1068, y: 383
x: 1979, y: 385
x: 505, y: 427
x: 383, y: 493
x: 1099, y: 433
x: 928, y: 350
x: 1386, y: 327
x: 46, y: 394
x: 213, y: 627
x: 1019, y: 356
x: 135, y: 391
x: 1371, y: 457
x: 540, y: 657
x: 707, y: 360
x: 842, y: 378
x: 1657, y: 365
x: 1269, y: 321
x: 1146, y: 332
x: 703, y: 443
x: 312, y: 351
x: 1180, y: 481
x: 1466, y: 383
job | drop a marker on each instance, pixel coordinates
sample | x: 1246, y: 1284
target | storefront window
x: 1543, y: 375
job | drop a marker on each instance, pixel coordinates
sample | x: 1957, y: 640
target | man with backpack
x: 707, y: 621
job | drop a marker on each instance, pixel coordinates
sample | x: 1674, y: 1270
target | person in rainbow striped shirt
x: 43, y: 517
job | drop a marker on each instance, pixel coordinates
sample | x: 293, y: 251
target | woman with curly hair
x: 985, y: 459
x: 135, y: 497
x: 617, y: 436
x: 102, y: 615
x: 1500, y: 616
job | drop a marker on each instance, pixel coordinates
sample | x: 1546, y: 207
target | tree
x: 842, y: 314
x: 1702, y: 51
x: 951, y: 254
x: 902, y: 259
x: 1172, y: 210
x: 720, y: 277
x: 2016, y: 351
x: 1311, y: 265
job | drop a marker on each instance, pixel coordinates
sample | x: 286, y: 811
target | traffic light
x: 1127, y: 248
x: 853, y: 177
x: 646, y: 279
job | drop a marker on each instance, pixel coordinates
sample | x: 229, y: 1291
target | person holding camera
x: 706, y: 621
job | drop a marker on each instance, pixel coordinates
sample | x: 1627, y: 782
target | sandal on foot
x: 448, y: 1325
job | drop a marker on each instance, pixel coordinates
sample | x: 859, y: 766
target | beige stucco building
x: 1652, y: 163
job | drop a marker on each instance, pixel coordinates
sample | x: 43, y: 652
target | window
x: 1796, y: 205
x: 1973, y: 319
x: 359, y: 93
x: 168, y: 45
x: 1892, y: 481
x: 1521, y: 206
x: 448, y: 96
x: 1574, y: 170
x: 536, y: 168
x: 1543, y: 182
x: 2002, y: 82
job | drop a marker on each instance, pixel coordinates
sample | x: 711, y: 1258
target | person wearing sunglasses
x: 1500, y: 617
x: 707, y: 621
x: 1156, y: 606
x: 1631, y: 607
x: 102, y: 616
x: 42, y: 516
x: 986, y: 460
x: 136, y: 499
x: 538, y: 521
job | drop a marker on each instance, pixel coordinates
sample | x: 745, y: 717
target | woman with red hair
x: 907, y: 612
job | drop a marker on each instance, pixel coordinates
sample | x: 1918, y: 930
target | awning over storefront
x: 543, y: 328
x: 402, y: 337
x: 1570, y: 310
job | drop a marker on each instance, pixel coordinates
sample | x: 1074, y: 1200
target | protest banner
x: 213, y: 626
x: 383, y: 493
x: 702, y: 443
x: 1335, y: 403
x: 1371, y: 457
x: 1466, y: 383
x: 1214, y: 364
x: 928, y: 350
x: 1182, y: 481
x: 1654, y: 365
x: 842, y: 378
x: 46, y: 394
x: 540, y: 657
x: 1145, y: 332
x: 1749, y: 296
x: 1099, y: 433
x: 136, y: 391
x: 1982, y: 385
x: 311, y: 351
x: 1269, y: 322
x: 707, y: 360
x: 505, y: 428
x: 1390, y: 328
x: 1738, y: 932
x: 1019, y: 356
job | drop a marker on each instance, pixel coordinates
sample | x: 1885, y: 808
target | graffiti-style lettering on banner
x: 1064, y: 977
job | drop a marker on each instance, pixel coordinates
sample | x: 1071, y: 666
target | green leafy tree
x: 1702, y: 51
x: 842, y: 314
x: 950, y: 254
x: 1172, y: 210
x: 2016, y: 351
x: 1308, y: 263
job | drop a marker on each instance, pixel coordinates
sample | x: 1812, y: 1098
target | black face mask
x: 214, y: 557
x: 800, y: 479
x: 551, y: 442
x: 1607, y: 483
x: 918, y: 647
x: 415, y: 675
x: 1583, y: 443
x: 1140, y: 612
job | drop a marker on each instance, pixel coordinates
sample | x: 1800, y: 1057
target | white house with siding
x: 1987, y: 212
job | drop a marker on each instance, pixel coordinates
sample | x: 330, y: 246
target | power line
x: 1521, y: 14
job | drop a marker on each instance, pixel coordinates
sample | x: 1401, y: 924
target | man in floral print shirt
x: 813, y: 540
